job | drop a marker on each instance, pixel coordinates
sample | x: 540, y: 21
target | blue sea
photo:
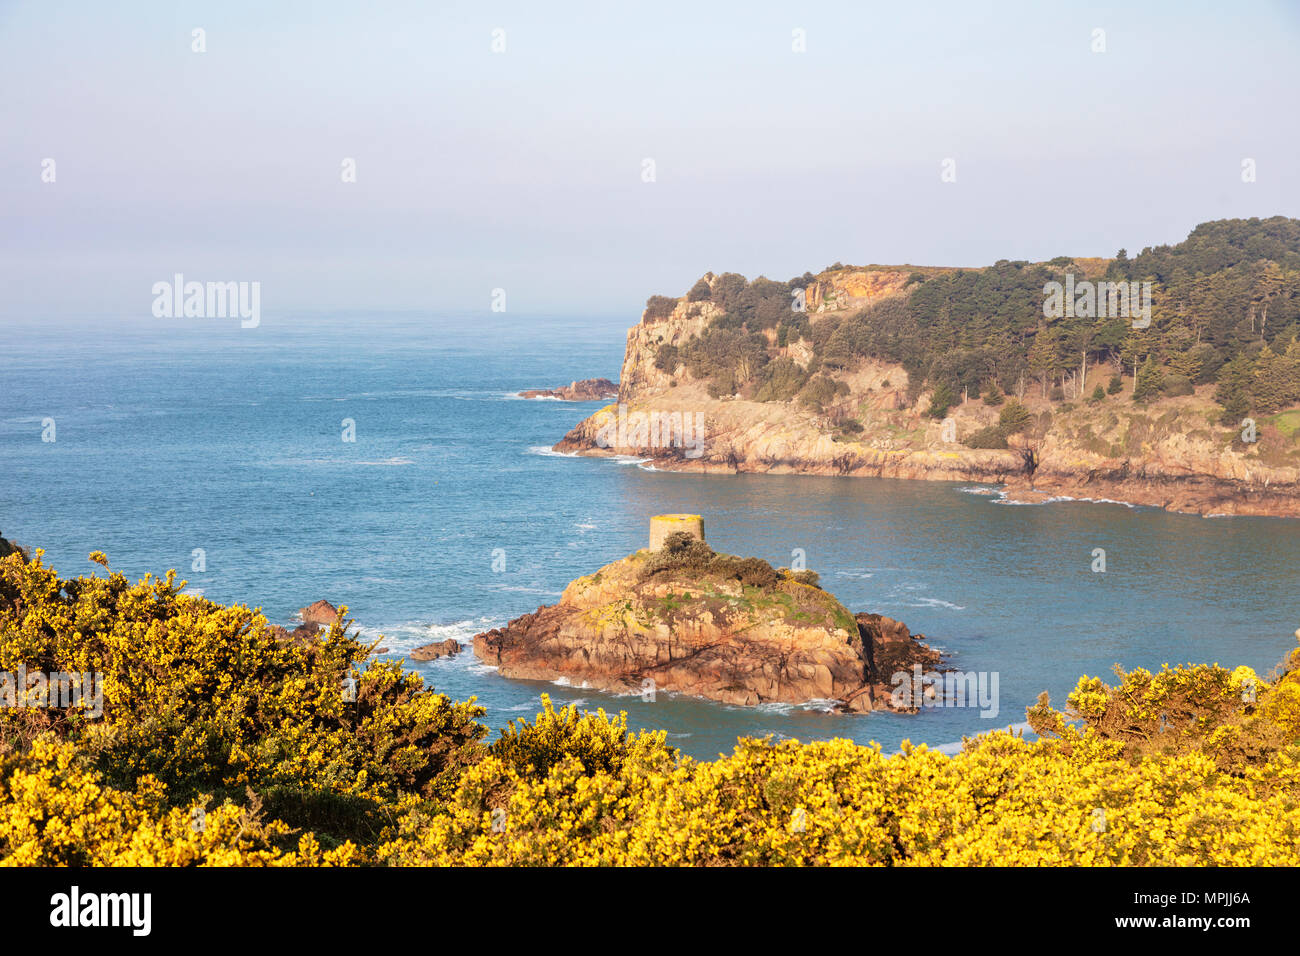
x: 180, y: 436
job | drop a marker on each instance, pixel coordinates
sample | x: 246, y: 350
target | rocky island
x: 1169, y: 379
x: 680, y: 617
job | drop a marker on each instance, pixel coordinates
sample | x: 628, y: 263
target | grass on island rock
x: 705, y: 574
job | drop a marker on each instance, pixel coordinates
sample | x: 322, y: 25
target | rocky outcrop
x: 315, y: 618
x: 588, y: 390
x: 9, y: 547
x: 431, y: 652
x: 302, y: 635
x: 1193, y: 494
x: 321, y: 614
x: 1172, y: 453
x: 708, y: 625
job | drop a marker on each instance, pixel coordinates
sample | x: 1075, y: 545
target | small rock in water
x: 437, y: 649
x: 322, y: 613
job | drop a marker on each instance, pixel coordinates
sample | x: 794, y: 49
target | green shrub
x: 779, y: 381
x: 667, y: 358
x: 659, y: 307
x: 820, y: 391
x: 685, y: 554
x: 941, y: 400
x: 992, y: 436
x: 700, y: 291
x: 1014, y: 417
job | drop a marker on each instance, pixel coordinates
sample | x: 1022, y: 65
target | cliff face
x: 1172, y: 453
x: 741, y: 635
x: 639, y: 375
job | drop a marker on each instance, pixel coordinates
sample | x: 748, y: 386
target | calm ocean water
x: 181, y: 435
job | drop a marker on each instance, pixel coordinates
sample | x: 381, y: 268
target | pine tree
x: 1014, y: 417
x: 1149, y: 378
x: 942, y: 399
x: 1233, y: 391
x: 1276, y: 383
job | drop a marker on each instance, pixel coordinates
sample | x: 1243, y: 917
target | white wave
x: 565, y: 682
x: 1002, y: 498
x: 388, y: 462
x: 522, y: 590
x: 925, y: 602
x: 1098, y: 501
x: 854, y: 573
x: 412, y: 634
x: 546, y: 451
x: 827, y: 706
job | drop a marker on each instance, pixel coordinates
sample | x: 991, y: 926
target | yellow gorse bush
x: 204, y: 708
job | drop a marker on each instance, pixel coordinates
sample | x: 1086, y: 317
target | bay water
x: 448, y: 514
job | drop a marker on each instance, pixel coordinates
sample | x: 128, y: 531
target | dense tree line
x: 1225, y: 310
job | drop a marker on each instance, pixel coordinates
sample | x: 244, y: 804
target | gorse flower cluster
x: 221, y: 745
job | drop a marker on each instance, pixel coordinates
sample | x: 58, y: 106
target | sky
x: 526, y: 168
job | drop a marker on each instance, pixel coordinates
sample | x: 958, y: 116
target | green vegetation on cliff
x: 1225, y: 310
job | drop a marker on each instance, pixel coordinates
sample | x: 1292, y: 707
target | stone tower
x: 661, y: 526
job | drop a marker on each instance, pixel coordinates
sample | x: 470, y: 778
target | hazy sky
x: 523, y: 169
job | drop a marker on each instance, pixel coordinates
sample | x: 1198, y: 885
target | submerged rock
x: 689, y: 620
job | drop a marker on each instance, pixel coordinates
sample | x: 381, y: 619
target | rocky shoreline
x: 1188, y: 494
x: 1142, y: 484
